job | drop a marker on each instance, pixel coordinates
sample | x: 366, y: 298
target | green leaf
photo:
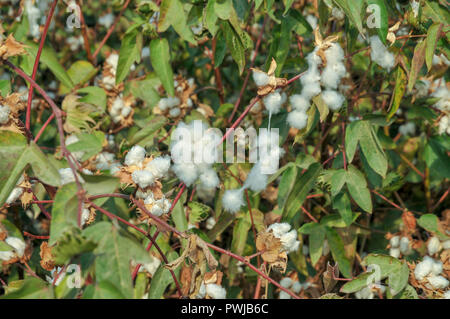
x: 94, y: 95
x: 172, y: 14
x: 114, y: 254
x: 436, y: 158
x: 70, y: 245
x: 300, y: 190
x: 416, y: 64
x: 89, y: 143
x: 381, y: 13
x: 351, y: 139
x: 234, y: 44
x: 338, y: 252
x: 160, y: 58
x: 31, y: 288
x: 316, y: 234
x: 399, y: 92
x: 372, y: 149
x: 5, y: 87
x: 49, y: 58
x: 353, y: 10
x: 358, y: 283
x: 80, y: 72
x: 130, y: 52
x: 104, y: 290
x: 64, y: 212
x: 341, y: 203
x: 430, y: 222
x: 199, y: 212
x: 287, y: 182
x: 149, y: 130
x: 338, y: 180
x: 162, y: 279
x: 433, y: 35
x: 210, y: 17
x: 357, y: 186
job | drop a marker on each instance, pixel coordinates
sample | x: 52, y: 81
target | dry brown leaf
x: 10, y: 47
x: 409, y: 221
x: 47, y: 259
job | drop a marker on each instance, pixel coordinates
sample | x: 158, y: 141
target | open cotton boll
x: 423, y: 268
x: 333, y: 99
x: 395, y: 241
x: 106, y: 20
x: 312, y: 20
x: 312, y: 75
x: 14, y: 195
x: 394, y: 252
x: 113, y: 60
x: 279, y: 229
x: 187, y: 172
x: 216, y: 291
x: 434, y: 245
x: 135, y: 156
x: 365, y: 293
x: 6, y: 255
x: 334, y: 54
x: 297, y: 119
x: 404, y: 245
x: 407, y: 129
x: 209, y: 178
x: 312, y: 89
x: 273, y: 102
x: 159, y: 166
x: 4, y: 113
x: 290, y: 242
x: 446, y: 244
x: 447, y: 294
x: 299, y: 102
x: 297, y: 287
x: 260, y: 78
x: 332, y: 75
x: 284, y: 295
x: 175, y: 112
x: 437, y: 267
x: 143, y: 178
x: 379, y: 54
x: 67, y: 176
x: 286, y: 282
x: 210, y: 223
x: 256, y: 180
x: 438, y: 282
x: 16, y: 243
x: 232, y: 200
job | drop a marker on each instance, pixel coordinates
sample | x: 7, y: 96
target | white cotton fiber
x: 434, y: 245
x: 159, y: 166
x: 310, y: 90
x: 405, y: 245
x: 438, y: 282
x: 333, y: 99
x: 297, y: 287
x: 260, y: 78
x: 186, y: 172
x: 380, y: 55
x: 143, y: 178
x: 299, y: 102
x: 297, y: 119
x: 14, y: 195
x: 332, y: 75
x: 423, y: 268
x: 395, y: 241
x: 16, y: 243
x: 6, y: 255
x: 286, y: 282
x: 312, y: 75
x: 256, y: 180
x: 135, y: 156
x: 4, y: 113
x: 394, y: 252
x: 209, y: 178
x: 232, y: 200
x: 273, y: 102
x: 216, y: 291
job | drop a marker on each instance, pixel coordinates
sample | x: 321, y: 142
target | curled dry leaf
x: 391, y: 32
x: 274, y: 82
x: 47, y: 259
x: 271, y: 249
x: 10, y: 47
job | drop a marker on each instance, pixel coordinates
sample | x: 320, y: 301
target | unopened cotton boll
x: 16, y: 243
x: 299, y: 102
x: 273, y: 102
x: 297, y: 119
x: 260, y: 78
x: 216, y: 291
x: 438, y: 282
x: 135, y: 156
x: 4, y: 113
x: 143, y: 178
x: 333, y: 99
x: 232, y: 200
x: 380, y: 55
x: 434, y: 245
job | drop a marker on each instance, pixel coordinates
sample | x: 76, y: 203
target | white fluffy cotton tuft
x: 287, y: 236
x: 297, y: 119
x: 16, y: 243
x: 333, y: 99
x: 135, y: 156
x: 260, y: 78
x: 143, y: 178
x: 233, y: 200
x: 273, y: 102
x: 434, y: 245
x: 299, y: 102
x: 4, y: 113
x: 380, y: 55
x: 216, y: 291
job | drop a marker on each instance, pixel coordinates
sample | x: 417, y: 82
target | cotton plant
x: 268, y: 153
x: 326, y: 68
x: 184, y: 99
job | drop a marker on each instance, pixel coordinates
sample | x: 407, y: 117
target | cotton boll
x: 232, y: 200
x: 4, y: 113
x: 312, y: 75
x: 447, y: 294
x: 6, y: 255
x: 312, y: 20
x: 187, y: 172
x: 143, y: 178
x: 310, y: 90
x: 297, y: 119
x: 395, y: 241
x: 394, y: 252
x: 125, y: 111
x: 434, y: 245
x: 260, y: 78
x: 333, y: 99
x: 175, y: 112
x: 135, y: 156
x: 85, y: 213
x: 66, y: 175
x: 337, y: 13
x: 109, y: 82
x: 407, y: 129
x: 278, y: 229
x: 438, y: 282
x: 210, y: 223
x: 113, y: 60
x: 159, y: 166
x: 16, y: 243
x: 446, y: 244
x: 437, y: 267
x: 289, y: 241
x: 14, y: 195
x: 256, y: 181
x: 423, y: 268
x: 162, y: 104
x: 313, y: 59
x: 216, y: 291
x: 299, y: 102
x: 380, y: 54
x: 106, y: 20
x: 209, y: 178
x: 297, y: 287
x: 272, y: 102
x: 334, y: 54
x: 152, y: 266
x: 404, y: 245
x: 284, y: 295
x: 286, y: 282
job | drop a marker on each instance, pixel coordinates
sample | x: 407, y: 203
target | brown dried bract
x: 10, y: 47
x: 47, y: 259
x: 274, y: 82
x: 271, y: 249
x: 409, y: 221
